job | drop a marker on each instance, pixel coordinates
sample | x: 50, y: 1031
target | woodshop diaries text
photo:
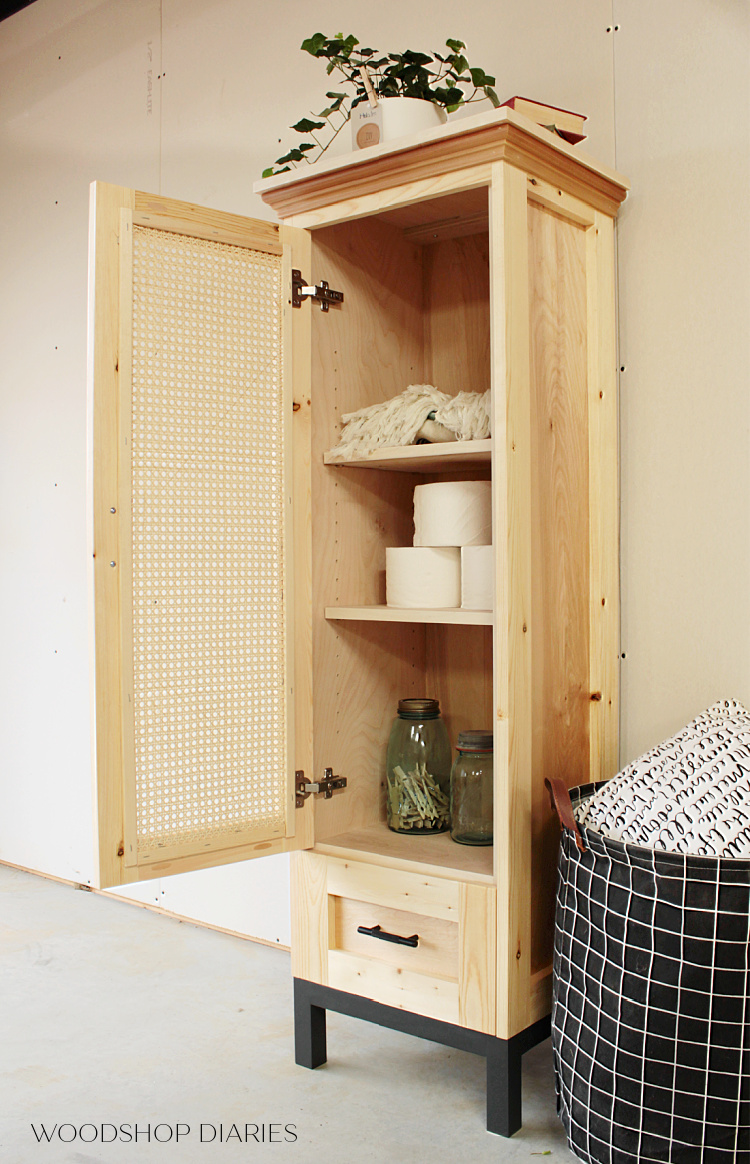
x: 165, y: 1133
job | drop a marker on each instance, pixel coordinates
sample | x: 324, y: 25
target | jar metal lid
x: 418, y: 708
x: 475, y: 741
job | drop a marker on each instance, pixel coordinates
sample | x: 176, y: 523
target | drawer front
x: 448, y: 975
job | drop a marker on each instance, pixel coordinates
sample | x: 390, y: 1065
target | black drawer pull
x: 376, y: 932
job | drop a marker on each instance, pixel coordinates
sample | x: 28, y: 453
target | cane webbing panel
x: 207, y: 455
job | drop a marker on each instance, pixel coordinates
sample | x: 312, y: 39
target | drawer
x: 448, y: 975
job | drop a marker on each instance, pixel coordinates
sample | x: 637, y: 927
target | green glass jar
x: 418, y: 768
x: 471, y: 789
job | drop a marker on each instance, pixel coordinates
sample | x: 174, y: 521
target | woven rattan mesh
x: 207, y: 455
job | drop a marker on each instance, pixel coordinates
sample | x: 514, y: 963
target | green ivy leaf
x: 478, y: 77
x: 314, y: 44
x: 268, y: 173
x: 456, y: 45
x: 494, y: 99
x: 307, y: 126
x: 292, y: 156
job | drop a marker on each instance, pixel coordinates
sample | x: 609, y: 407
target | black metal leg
x: 311, y: 1000
x: 504, y: 1086
x: 309, y: 1029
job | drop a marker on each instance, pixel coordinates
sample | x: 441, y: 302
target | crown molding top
x: 502, y: 134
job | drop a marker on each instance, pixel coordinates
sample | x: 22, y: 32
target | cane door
x: 200, y: 535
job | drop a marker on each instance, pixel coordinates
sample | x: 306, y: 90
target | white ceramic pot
x: 394, y: 117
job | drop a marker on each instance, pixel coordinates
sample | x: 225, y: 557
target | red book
x: 567, y: 124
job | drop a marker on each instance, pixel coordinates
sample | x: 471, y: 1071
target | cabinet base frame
x: 311, y: 1001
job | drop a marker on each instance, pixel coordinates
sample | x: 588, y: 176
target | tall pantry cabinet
x: 245, y: 664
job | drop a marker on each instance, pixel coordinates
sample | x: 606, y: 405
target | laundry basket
x: 650, y: 1018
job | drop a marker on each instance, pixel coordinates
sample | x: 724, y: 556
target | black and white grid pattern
x: 650, y: 1014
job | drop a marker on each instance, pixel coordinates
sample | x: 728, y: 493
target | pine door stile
x: 202, y: 658
x: 125, y: 376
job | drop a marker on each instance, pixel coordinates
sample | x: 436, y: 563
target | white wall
x: 682, y: 91
x: 189, y: 98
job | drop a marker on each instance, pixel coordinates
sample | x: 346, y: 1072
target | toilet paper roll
x: 423, y: 576
x: 453, y: 513
x: 477, y: 577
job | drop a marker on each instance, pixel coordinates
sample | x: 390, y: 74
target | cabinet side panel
x: 560, y: 538
x: 367, y: 351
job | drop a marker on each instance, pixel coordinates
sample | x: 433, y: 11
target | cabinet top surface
x: 463, y: 143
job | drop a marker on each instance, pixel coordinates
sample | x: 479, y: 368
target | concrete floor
x: 111, y: 1014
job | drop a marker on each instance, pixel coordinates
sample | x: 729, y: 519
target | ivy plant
x: 446, y: 80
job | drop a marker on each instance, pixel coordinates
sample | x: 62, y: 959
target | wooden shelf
x: 439, y: 458
x: 430, y: 854
x: 408, y: 614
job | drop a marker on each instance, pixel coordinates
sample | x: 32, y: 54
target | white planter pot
x: 394, y: 117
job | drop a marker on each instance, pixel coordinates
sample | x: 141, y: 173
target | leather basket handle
x: 559, y: 799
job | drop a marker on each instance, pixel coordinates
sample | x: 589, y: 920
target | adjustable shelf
x: 440, y: 458
x: 456, y: 617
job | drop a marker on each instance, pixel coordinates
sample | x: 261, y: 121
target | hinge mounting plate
x: 324, y: 787
x: 321, y: 292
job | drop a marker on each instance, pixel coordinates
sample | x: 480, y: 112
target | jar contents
x: 418, y: 767
x: 471, y: 789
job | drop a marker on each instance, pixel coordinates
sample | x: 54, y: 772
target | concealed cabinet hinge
x: 324, y: 787
x: 321, y: 292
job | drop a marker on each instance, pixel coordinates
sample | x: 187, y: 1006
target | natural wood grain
x: 437, y: 952
x: 310, y: 932
x: 513, y: 628
x: 451, y: 216
x: 391, y: 614
x: 541, y: 994
x: 441, y: 458
x: 209, y: 859
x: 297, y: 358
x: 603, y: 509
x: 549, y: 196
x: 124, y: 553
x: 459, y: 674
x: 487, y: 138
x: 457, y: 314
x: 365, y: 352
x: 560, y: 538
x: 477, y: 958
x: 432, y: 856
x: 420, y: 893
x: 104, y: 525
x: 394, y: 985
x: 111, y: 303
x: 201, y: 222
x: 421, y: 197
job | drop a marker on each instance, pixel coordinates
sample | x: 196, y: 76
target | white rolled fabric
x: 453, y: 513
x: 423, y: 576
x: 477, y: 577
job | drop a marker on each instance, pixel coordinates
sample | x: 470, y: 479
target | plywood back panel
x: 457, y: 313
x: 368, y: 350
x: 559, y: 535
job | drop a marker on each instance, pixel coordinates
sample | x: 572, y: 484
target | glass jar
x: 471, y: 789
x: 418, y: 768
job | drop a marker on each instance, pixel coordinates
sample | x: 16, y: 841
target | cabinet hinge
x: 321, y: 292
x: 324, y: 787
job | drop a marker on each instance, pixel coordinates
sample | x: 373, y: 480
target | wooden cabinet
x: 238, y: 576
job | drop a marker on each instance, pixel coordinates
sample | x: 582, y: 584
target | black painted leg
x: 504, y: 1086
x: 309, y: 1029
